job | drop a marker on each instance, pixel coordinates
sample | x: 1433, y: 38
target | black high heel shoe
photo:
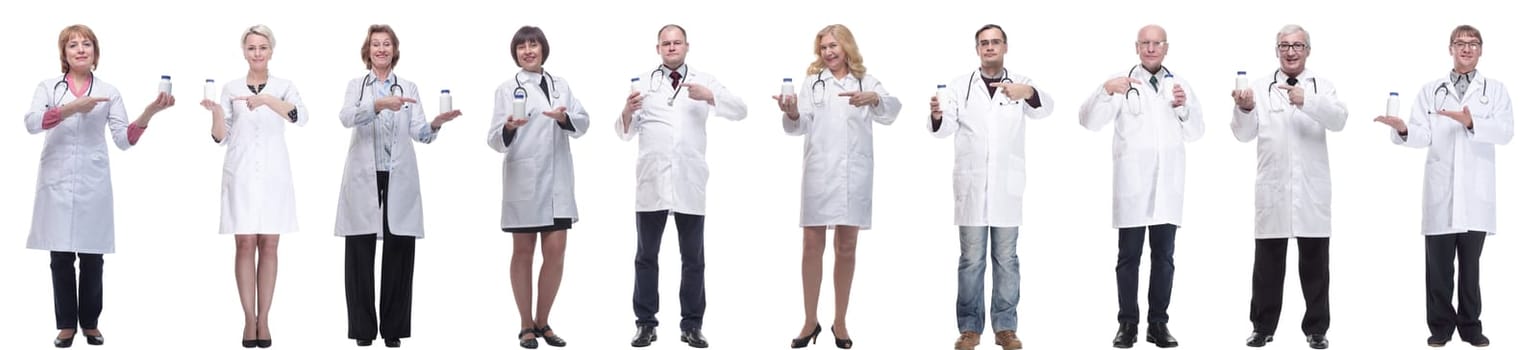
x: 552, y: 339
x: 95, y: 339
x: 248, y: 343
x: 797, y: 343
x: 64, y: 342
x: 264, y: 343
x: 842, y: 343
x: 530, y: 343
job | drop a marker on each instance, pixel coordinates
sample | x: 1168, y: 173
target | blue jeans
x: 969, y: 278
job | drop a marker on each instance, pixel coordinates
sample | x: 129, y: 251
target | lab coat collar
x: 527, y: 77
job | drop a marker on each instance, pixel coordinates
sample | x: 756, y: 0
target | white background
x: 170, y: 284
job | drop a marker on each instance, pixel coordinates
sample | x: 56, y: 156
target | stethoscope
x: 818, y: 98
x: 973, y: 78
x: 1278, y: 107
x: 520, y: 92
x: 657, y: 75
x: 395, y: 90
x: 1136, y: 106
x: 91, y: 85
x: 1444, y: 92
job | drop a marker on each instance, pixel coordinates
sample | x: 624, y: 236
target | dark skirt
x: 560, y: 224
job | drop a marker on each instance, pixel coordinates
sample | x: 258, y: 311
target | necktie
x: 1154, y: 82
x: 1462, y: 84
x: 675, y: 77
x: 1292, y: 81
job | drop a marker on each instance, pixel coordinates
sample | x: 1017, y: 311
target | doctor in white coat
x: 381, y: 196
x: 667, y: 113
x: 835, y: 110
x: 257, y: 196
x: 72, y: 211
x: 1460, y: 118
x: 1156, y: 114
x: 1290, y: 114
x: 986, y: 110
x: 532, y: 124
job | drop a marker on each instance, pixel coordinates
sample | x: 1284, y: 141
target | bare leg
x: 245, y: 281
x: 553, y: 249
x: 813, y: 239
x: 521, y: 272
x: 266, y: 280
x: 844, y: 243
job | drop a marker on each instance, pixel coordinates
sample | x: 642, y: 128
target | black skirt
x: 560, y: 224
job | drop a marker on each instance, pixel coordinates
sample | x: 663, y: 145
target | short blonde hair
x: 845, y: 40
x: 84, y: 32
x: 395, y: 45
x: 261, y: 30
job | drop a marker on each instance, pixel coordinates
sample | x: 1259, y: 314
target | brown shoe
x: 1006, y: 340
x: 968, y: 340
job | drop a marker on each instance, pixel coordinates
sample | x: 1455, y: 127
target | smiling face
x: 80, y: 52
x: 381, y: 51
x: 832, y: 53
x: 1466, y: 49
x: 528, y: 55
x: 1152, y: 45
x: 258, y: 51
x: 1292, y: 51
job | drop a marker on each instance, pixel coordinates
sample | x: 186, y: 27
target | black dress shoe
x: 1159, y: 334
x: 694, y: 338
x: 64, y: 342
x: 1257, y: 340
x: 365, y: 342
x: 1437, y: 342
x: 644, y: 336
x: 1477, y: 340
x: 95, y: 339
x: 1317, y: 341
x: 392, y: 343
x: 1126, y: 334
x: 529, y: 343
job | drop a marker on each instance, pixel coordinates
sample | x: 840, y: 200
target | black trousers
x: 691, y: 245
x: 394, y: 317
x: 72, y: 307
x: 1271, y: 272
x: 1440, y: 315
x: 1161, y: 239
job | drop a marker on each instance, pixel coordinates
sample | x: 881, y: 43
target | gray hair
x: 261, y: 30
x: 1293, y: 28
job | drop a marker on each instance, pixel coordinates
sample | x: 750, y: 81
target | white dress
x: 258, y: 189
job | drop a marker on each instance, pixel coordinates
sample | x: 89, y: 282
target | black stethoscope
x: 395, y: 86
x: 1484, y: 97
x: 973, y: 78
x: 1278, y: 107
x: 1131, y: 89
x: 90, y: 86
x: 656, y: 78
x: 519, y: 92
x: 818, y: 99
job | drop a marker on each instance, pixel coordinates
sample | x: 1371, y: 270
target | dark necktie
x: 1292, y: 81
x: 675, y: 77
x: 1153, y: 80
x: 544, y: 87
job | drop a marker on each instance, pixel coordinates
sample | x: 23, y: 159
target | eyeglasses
x: 990, y: 42
x: 1284, y: 47
x: 1154, y: 44
x: 1467, y: 44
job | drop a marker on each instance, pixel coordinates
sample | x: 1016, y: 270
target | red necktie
x: 675, y: 77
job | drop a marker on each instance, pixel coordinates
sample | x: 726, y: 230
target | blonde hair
x: 261, y: 30
x: 83, y: 32
x: 846, y: 42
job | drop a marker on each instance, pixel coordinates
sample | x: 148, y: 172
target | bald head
x: 1152, y: 44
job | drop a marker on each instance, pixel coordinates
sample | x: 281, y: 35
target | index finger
x: 850, y: 93
x: 408, y: 100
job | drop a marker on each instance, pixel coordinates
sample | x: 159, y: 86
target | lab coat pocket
x: 522, y: 180
x: 1015, y: 178
x: 1438, y: 189
x: 1266, y: 196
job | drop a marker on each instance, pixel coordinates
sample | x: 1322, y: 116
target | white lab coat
x: 989, y: 181
x: 1148, y: 150
x: 358, y: 211
x: 258, y: 188
x: 671, y: 170
x: 72, y: 210
x: 538, y: 180
x: 838, y: 156
x: 1292, y: 180
x: 1459, y: 194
